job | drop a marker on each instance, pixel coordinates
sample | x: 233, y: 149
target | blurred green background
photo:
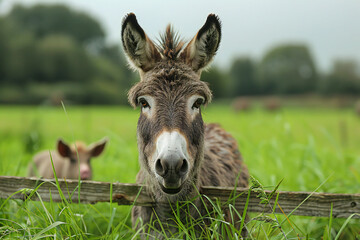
x: 52, y: 53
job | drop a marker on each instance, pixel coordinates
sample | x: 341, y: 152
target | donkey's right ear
x: 63, y: 149
x: 140, y: 50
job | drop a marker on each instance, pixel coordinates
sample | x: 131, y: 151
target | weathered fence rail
x: 318, y: 204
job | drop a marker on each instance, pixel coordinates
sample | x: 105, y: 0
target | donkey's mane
x: 170, y: 43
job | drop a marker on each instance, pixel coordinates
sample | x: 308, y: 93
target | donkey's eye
x: 144, y: 103
x: 197, y: 103
x: 73, y: 161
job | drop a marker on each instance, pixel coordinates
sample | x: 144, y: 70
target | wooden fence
x: 91, y: 192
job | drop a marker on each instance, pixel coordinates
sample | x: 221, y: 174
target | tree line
x: 50, y: 53
x: 284, y: 70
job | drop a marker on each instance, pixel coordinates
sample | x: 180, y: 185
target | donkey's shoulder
x: 215, y: 134
x: 222, y: 159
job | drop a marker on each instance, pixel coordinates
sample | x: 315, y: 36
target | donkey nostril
x: 159, y: 168
x: 184, y: 167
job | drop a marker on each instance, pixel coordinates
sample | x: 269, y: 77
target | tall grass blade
x: 39, y: 234
x: 344, y: 225
x: 76, y: 149
x: 288, y: 216
x: 245, y: 211
x: 330, y: 221
x: 111, y: 221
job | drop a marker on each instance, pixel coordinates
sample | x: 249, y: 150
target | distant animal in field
x: 272, y: 104
x: 177, y: 151
x: 69, y: 161
x: 357, y: 107
x: 241, y: 104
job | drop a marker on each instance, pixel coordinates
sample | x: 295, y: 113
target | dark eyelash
x: 197, y: 103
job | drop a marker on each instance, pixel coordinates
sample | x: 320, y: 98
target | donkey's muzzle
x: 172, y: 173
x: 171, y: 165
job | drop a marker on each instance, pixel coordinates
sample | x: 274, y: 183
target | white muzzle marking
x: 171, y: 145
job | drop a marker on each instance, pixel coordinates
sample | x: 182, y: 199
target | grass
x: 300, y: 147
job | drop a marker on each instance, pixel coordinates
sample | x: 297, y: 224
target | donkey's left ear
x: 202, y: 48
x: 141, y: 51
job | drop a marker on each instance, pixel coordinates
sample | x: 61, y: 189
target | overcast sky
x: 331, y: 28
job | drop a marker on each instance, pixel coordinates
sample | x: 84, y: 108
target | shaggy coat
x: 178, y: 153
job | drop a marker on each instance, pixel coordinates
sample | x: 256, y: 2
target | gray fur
x: 171, y: 81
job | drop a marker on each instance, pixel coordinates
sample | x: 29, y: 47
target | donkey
x: 66, y: 161
x: 178, y: 153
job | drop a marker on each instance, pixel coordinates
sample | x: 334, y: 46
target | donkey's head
x: 170, y: 93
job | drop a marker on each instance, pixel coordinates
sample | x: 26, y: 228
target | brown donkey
x: 69, y: 160
x: 177, y: 151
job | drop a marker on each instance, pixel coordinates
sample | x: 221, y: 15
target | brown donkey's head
x: 170, y: 127
x: 79, y: 158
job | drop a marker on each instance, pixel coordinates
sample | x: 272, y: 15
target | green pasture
x: 307, y: 148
